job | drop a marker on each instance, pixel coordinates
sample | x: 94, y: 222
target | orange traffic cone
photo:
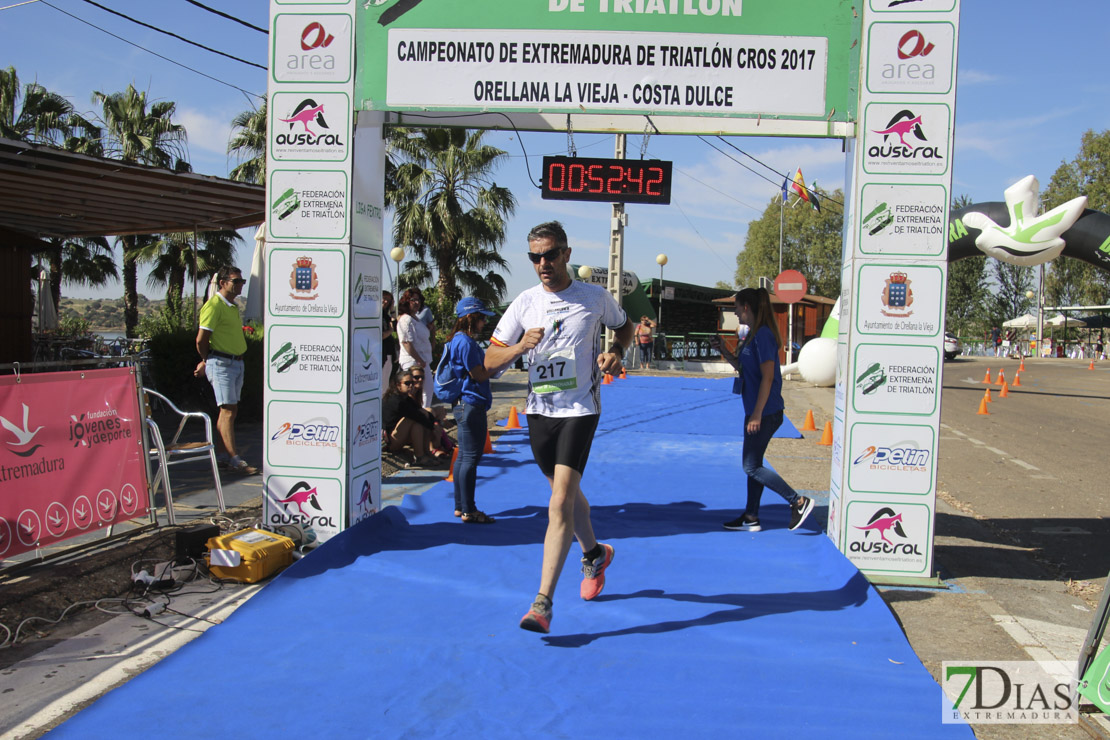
x: 809, y: 426
x: 513, y: 422
x: 623, y: 375
x: 489, y: 445
x: 1001, y: 377
x: 987, y: 396
x: 987, y: 377
x: 983, y: 408
x: 826, y: 436
x: 607, y: 379
x: 1021, y: 367
x: 451, y: 473
x: 1017, y: 381
x: 1005, y: 392
x: 1091, y: 366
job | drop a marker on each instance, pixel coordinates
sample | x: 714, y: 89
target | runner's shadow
x: 746, y: 606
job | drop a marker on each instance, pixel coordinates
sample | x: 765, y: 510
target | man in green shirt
x: 221, y: 345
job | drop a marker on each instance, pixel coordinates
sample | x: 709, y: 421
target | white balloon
x: 817, y: 361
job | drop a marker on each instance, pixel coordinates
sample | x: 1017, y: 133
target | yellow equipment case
x: 260, y: 554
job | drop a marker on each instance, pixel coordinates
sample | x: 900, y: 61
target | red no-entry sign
x: 791, y: 286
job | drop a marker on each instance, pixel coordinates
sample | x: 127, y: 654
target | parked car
x: 952, y: 346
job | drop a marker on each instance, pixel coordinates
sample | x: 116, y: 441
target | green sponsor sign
x: 720, y: 58
x: 1096, y: 681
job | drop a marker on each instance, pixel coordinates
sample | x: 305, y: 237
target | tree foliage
x: 450, y: 214
x: 248, y: 144
x: 812, y: 244
x: 136, y: 131
x: 1068, y: 281
x: 32, y: 113
x: 967, y: 291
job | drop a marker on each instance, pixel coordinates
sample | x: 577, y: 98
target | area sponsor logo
x: 99, y: 427
x: 1009, y: 692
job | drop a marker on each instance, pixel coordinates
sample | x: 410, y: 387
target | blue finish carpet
x: 405, y: 626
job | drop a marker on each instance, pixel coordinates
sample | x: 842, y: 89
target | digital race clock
x: 607, y: 180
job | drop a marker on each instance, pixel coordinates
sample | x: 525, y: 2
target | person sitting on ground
x: 407, y: 425
x: 439, y: 413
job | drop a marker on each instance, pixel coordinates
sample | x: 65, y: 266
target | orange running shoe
x: 593, y: 573
x: 538, y: 618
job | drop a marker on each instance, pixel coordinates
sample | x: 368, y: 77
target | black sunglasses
x: 237, y: 281
x: 549, y: 255
x: 406, y: 383
x: 417, y: 377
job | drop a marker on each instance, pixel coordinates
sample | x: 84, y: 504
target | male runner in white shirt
x: 559, y: 324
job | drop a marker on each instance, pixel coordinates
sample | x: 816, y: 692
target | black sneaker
x: 744, y: 523
x: 800, y: 511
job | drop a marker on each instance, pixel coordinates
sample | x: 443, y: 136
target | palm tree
x: 172, y: 259
x: 32, y: 113
x: 450, y: 213
x: 248, y: 144
x: 133, y: 133
x: 83, y: 261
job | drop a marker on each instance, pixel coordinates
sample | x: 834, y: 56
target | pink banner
x: 71, y: 456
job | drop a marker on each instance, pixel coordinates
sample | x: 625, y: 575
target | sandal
x: 477, y: 517
x: 458, y: 513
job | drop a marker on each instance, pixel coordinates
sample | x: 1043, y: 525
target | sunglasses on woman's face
x: 550, y: 255
x: 406, y: 383
x: 417, y: 378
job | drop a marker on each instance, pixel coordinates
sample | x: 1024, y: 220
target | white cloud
x: 208, y: 133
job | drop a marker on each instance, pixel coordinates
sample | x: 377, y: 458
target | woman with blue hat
x: 467, y: 361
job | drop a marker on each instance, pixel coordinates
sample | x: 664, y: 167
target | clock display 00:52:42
x: 607, y: 180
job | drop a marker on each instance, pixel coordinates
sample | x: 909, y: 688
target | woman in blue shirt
x: 468, y: 361
x: 760, y: 386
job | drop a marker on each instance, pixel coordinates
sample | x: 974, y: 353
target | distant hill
x: 105, y: 314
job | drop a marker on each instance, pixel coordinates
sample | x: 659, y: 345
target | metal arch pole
x: 616, y: 244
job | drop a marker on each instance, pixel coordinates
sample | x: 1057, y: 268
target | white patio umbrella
x: 256, y: 283
x: 1027, y: 321
x: 46, y: 314
x: 1059, y: 321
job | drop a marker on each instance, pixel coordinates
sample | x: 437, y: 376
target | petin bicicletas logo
x: 302, y: 493
x: 297, y: 434
x: 907, y: 457
x: 874, y: 539
x: 895, y: 144
x: 897, y: 296
x: 303, y: 280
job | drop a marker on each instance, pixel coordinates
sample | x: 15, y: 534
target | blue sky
x: 1030, y: 82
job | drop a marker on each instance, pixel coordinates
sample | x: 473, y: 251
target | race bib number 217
x: 554, y: 371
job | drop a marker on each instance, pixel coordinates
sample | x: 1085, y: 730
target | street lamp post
x: 396, y: 254
x: 661, y: 260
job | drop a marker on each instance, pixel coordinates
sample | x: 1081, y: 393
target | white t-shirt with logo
x: 563, y: 376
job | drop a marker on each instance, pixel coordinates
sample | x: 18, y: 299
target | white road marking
x: 1024, y: 464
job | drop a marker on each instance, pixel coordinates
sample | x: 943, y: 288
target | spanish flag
x: 799, y: 187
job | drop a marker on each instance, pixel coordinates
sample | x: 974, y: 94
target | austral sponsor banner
x: 913, y: 58
x: 304, y: 434
x: 310, y: 126
x: 72, y: 456
x: 908, y: 385
x: 311, y: 502
x: 906, y: 139
x: 880, y: 536
x: 891, y: 458
x: 366, y: 495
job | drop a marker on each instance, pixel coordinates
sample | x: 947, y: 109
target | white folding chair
x: 177, y: 452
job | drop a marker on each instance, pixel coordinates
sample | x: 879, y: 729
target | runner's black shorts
x: 563, y: 440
